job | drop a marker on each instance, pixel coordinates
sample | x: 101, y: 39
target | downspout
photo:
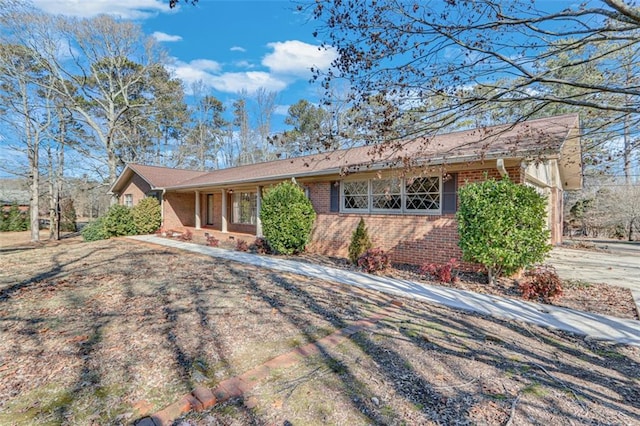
x: 501, y: 169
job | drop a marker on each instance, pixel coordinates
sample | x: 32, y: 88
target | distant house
x: 410, y: 214
x: 19, y: 197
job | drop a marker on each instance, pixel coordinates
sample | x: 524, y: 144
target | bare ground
x: 106, y: 332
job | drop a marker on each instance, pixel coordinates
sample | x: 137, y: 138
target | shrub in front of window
x: 95, y: 230
x: 360, y: 242
x: 287, y: 218
x: 502, y: 226
x: 147, y: 217
x: 374, y: 260
x: 118, y: 221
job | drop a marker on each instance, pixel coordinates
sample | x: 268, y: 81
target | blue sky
x: 228, y: 45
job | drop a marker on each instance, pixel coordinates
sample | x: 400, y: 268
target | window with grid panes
x: 422, y: 194
x: 355, y: 195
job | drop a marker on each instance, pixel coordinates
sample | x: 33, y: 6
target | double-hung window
x: 393, y: 195
x: 128, y: 200
x: 245, y: 206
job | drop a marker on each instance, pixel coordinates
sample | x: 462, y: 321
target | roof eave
x: 374, y: 167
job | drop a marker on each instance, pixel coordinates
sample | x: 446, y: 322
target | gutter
x: 337, y: 170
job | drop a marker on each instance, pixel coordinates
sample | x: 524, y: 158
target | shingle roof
x: 160, y: 177
x: 541, y: 137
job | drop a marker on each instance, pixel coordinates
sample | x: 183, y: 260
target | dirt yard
x: 107, y: 332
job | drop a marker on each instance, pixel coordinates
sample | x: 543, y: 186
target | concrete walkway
x: 600, y: 327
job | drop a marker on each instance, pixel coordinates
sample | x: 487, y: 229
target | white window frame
x: 127, y: 200
x: 236, y: 214
x: 403, y: 198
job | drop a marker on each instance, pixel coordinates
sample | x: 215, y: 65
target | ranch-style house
x: 409, y: 211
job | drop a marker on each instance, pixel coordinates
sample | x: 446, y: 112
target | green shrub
x: 118, y: 221
x: 4, y: 220
x: 502, y: 226
x: 374, y: 260
x: 67, y: 216
x: 360, y: 242
x: 95, y: 230
x: 287, y: 218
x: 147, y: 216
x: 17, y: 220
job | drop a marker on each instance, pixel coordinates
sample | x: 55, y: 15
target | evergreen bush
x: 95, y: 230
x: 502, y: 226
x: 17, y: 220
x: 118, y: 221
x: 287, y: 218
x: 360, y: 242
x: 147, y: 216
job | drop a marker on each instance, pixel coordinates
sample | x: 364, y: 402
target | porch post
x: 223, y: 226
x: 258, y: 206
x: 198, y: 223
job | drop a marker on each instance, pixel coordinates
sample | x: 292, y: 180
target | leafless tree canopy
x: 474, y: 62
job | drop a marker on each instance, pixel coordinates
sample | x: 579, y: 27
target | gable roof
x: 541, y: 138
x: 156, y: 176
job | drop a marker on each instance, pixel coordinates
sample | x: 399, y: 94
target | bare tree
x: 25, y: 91
x: 479, y: 56
x: 100, y: 64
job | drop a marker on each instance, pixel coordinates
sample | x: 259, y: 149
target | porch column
x: 223, y: 226
x: 258, y: 206
x: 198, y: 223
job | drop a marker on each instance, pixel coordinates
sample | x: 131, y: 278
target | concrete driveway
x: 616, y: 263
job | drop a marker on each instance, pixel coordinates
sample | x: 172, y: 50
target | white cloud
x: 238, y: 49
x: 125, y: 9
x: 160, y: 36
x: 209, y: 73
x: 234, y: 82
x: 294, y: 57
x: 281, y: 109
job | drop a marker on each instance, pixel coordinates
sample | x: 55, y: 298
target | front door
x: 209, y: 209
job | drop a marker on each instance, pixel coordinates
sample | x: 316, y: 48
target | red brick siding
x: 179, y: 210
x: 412, y: 239
x: 137, y: 187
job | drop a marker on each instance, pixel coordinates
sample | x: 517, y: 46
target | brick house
x: 409, y: 211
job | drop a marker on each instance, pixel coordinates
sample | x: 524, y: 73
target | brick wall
x: 179, y: 210
x: 412, y: 239
x: 137, y: 187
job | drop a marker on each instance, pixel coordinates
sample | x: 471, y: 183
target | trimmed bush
x: 374, y: 260
x: 541, y: 283
x: 287, y: 218
x: 95, y: 231
x: 147, y: 216
x: 118, y: 221
x: 360, y: 242
x: 502, y: 226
